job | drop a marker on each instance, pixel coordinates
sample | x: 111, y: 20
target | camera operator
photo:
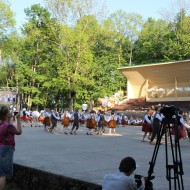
x: 157, y: 119
x: 122, y: 180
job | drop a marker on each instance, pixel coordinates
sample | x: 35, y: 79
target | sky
x: 146, y: 8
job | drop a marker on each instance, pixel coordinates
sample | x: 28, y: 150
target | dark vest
x: 101, y: 117
x: 76, y: 117
x: 178, y: 120
x: 156, y: 121
x: 52, y: 117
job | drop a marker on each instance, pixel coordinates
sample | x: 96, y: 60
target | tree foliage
x: 66, y: 55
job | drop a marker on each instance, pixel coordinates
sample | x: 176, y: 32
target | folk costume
x: 75, y: 122
x: 24, y: 117
x: 66, y: 121
x: 124, y: 120
x: 181, y: 124
x: 101, y: 123
x: 41, y: 117
x: 106, y: 119
x: 47, y: 119
x: 157, y: 119
x: 82, y: 118
x: 54, y: 118
x: 112, y: 123
x: 147, y: 124
x: 91, y: 122
x: 35, y: 117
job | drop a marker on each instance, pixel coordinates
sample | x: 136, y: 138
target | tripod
x: 173, y: 171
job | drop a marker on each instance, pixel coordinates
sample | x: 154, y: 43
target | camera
x: 148, y: 183
x: 138, y: 180
x: 15, y: 113
x: 169, y: 111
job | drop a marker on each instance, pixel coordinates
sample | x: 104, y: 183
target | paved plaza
x: 90, y: 157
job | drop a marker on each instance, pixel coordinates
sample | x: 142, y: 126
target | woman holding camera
x: 7, y: 143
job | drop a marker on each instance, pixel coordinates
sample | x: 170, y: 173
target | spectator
x: 122, y: 179
x: 7, y: 143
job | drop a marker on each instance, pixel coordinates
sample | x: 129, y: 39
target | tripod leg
x: 155, y: 152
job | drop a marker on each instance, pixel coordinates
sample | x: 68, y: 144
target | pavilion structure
x: 160, y: 82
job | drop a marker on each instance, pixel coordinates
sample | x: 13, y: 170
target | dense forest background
x: 68, y: 52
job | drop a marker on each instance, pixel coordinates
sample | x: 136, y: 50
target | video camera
x: 169, y: 111
x: 148, y: 183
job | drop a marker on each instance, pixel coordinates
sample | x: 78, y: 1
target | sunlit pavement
x: 90, y: 157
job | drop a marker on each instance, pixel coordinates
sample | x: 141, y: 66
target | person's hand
x: 17, y: 115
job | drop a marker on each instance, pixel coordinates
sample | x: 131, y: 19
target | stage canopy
x: 159, y: 82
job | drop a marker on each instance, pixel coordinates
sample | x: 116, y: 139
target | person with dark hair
x: 122, y: 180
x: 7, y: 143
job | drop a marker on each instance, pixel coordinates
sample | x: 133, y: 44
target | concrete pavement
x: 90, y: 157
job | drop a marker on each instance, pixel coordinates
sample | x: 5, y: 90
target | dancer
x: 66, y: 121
x: 112, y: 122
x: 54, y: 119
x: 91, y: 122
x: 75, y: 122
x: 101, y: 123
x: 24, y: 117
x: 181, y: 125
x: 147, y: 124
x: 47, y: 119
x: 35, y: 116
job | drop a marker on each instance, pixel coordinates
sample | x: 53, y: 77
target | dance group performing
x: 153, y: 122
x: 96, y: 122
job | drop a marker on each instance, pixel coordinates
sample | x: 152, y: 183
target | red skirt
x: 66, y: 122
x: 181, y: 132
x: 91, y: 124
x: 81, y: 121
x: 123, y: 122
x: 25, y: 118
x: 47, y: 121
x: 146, y: 128
x: 112, y: 124
x: 105, y: 123
x: 41, y: 119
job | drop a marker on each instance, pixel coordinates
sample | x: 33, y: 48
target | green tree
x: 7, y: 20
x: 37, y: 71
x: 151, y: 45
x: 128, y: 27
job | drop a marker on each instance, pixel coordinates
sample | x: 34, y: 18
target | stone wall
x: 26, y: 178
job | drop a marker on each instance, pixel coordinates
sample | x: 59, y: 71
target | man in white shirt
x: 122, y: 179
